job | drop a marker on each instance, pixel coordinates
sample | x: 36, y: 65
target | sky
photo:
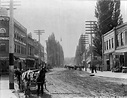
x: 65, y: 18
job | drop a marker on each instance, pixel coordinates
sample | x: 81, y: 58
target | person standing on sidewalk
x: 18, y: 75
x: 95, y: 68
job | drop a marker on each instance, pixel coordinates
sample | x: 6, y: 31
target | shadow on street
x: 45, y: 95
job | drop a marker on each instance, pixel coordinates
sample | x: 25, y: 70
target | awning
x: 36, y: 56
x: 30, y: 59
x: 120, y: 51
x: 4, y: 58
x: 22, y: 58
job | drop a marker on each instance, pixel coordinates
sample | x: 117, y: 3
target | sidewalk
x: 5, y: 92
x: 110, y: 74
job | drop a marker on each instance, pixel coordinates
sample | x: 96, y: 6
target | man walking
x: 41, y: 80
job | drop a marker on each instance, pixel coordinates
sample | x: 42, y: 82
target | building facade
x: 4, y: 43
x: 115, y: 47
x: 109, y: 48
x: 24, y: 46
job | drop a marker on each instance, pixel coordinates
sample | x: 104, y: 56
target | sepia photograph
x: 63, y: 48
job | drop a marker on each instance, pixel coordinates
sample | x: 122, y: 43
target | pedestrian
x: 95, y: 68
x: 41, y: 80
x: 18, y: 75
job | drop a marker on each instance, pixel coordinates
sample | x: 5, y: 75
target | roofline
x: 20, y: 25
x: 115, y: 28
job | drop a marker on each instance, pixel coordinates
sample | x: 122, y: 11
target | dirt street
x: 64, y: 83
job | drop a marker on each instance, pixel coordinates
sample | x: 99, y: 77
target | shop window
x: 2, y: 47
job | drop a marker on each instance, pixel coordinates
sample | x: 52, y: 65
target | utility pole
x: 90, y: 31
x: 11, y: 43
x: 39, y: 33
x: 84, y: 41
x: 11, y: 48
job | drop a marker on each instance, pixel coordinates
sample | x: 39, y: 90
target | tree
x: 55, y: 54
x: 79, y: 52
x: 108, y: 16
x: 97, y: 41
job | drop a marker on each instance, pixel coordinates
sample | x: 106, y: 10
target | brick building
x: 115, y: 47
x: 25, y: 47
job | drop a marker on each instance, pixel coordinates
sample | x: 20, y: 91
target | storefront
x: 4, y: 65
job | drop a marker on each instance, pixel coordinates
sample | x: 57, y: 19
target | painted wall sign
x: 2, y: 30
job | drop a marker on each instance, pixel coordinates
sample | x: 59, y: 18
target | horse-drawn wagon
x: 29, y: 82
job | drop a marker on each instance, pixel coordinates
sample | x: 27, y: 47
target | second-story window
x: 15, y: 48
x: 117, y: 40
x: 109, y: 44
x: 2, y: 47
x: 104, y: 45
x: 122, y: 43
x: 112, y: 43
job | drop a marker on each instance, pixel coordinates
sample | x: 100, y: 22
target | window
x: 104, y: 45
x: 2, y: 47
x: 24, y: 50
x: 122, y: 43
x: 109, y: 44
x: 112, y: 43
x: 15, y: 48
x: 19, y: 49
x: 30, y: 51
x: 117, y: 40
x: 15, y: 35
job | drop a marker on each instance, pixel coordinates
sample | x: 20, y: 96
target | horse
x: 29, y: 77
